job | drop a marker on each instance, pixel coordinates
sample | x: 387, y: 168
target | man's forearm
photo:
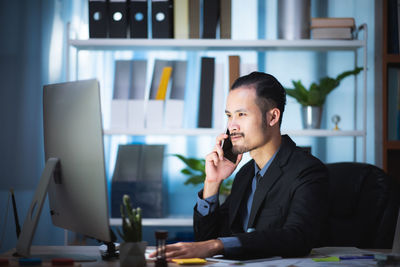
x: 210, y: 188
x: 215, y: 246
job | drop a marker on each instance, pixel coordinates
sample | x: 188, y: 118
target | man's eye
x: 241, y: 114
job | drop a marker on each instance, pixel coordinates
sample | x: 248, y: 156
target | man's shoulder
x: 294, y: 155
x: 305, y: 157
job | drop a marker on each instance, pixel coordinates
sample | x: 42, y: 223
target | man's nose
x: 233, y: 126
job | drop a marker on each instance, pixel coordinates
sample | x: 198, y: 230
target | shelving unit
x: 234, y: 45
x: 390, y: 148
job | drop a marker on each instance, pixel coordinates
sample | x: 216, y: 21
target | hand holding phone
x: 227, y: 148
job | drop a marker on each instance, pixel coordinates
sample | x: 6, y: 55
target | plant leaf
x: 348, y: 73
x: 195, y: 180
x: 314, y: 96
x: 317, y: 93
x: 300, y: 88
x: 187, y: 171
x: 295, y: 94
x: 327, y: 84
x: 193, y: 163
x: 226, y: 186
x: 340, y: 77
x: 299, y: 92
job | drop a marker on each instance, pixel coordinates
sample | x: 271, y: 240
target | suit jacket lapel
x: 271, y: 176
x: 266, y: 183
x: 238, y: 195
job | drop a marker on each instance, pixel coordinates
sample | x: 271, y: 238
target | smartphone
x: 227, y: 148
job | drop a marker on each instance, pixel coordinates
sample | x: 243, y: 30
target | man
x: 278, y: 200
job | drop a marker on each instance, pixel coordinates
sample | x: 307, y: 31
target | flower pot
x: 311, y: 117
x: 131, y: 254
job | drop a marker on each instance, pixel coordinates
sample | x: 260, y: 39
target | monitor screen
x: 74, y: 174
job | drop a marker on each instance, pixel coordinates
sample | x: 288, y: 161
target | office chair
x: 363, y: 206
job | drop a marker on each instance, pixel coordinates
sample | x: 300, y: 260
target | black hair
x: 270, y: 93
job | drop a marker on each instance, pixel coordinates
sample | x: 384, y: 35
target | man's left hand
x: 201, y: 249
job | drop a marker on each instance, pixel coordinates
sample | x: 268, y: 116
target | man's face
x: 245, y: 122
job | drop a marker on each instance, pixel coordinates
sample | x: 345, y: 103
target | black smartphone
x: 227, y: 148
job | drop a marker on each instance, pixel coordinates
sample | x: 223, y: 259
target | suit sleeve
x: 213, y: 225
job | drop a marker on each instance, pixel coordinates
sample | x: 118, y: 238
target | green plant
x: 196, y: 174
x: 316, y: 94
x: 131, y: 221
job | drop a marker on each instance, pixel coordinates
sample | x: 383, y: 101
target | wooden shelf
x: 216, y: 44
x: 393, y: 145
x: 392, y: 58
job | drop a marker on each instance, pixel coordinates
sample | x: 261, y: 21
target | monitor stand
x: 51, y: 169
x: 23, y: 249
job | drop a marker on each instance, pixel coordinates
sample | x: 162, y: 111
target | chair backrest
x: 364, y: 203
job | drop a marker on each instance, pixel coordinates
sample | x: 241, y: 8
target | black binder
x: 98, y: 19
x: 210, y: 18
x: 206, y: 93
x: 138, y: 18
x: 118, y: 19
x: 162, y: 18
x: 393, y: 29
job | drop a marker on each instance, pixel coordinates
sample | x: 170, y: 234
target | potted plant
x: 313, y: 99
x: 196, y: 174
x: 132, y: 250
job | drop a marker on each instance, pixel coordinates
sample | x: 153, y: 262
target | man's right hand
x: 218, y: 168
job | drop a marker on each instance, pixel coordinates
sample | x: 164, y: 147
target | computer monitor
x: 74, y: 172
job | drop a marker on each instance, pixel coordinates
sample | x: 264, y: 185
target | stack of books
x: 332, y: 28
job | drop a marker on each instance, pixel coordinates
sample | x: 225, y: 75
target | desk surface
x: 87, y: 251
x: 93, y: 251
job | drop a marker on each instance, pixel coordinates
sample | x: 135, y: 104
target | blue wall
x: 32, y: 54
x: 27, y: 29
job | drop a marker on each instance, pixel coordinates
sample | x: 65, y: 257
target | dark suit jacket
x: 289, y: 207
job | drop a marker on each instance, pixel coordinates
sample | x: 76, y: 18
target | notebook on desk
x: 221, y: 258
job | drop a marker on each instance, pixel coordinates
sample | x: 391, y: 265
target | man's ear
x: 274, y: 115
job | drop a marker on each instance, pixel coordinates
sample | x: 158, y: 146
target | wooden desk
x: 93, y: 252
x: 90, y: 251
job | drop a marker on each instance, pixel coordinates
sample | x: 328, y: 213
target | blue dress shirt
x: 208, y: 205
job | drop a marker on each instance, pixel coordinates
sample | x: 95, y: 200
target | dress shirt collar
x: 265, y: 168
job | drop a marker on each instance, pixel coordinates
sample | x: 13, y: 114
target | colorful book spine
x: 194, y: 19
x: 234, y: 69
x: 226, y: 19
x: 181, y: 19
x: 164, y: 81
